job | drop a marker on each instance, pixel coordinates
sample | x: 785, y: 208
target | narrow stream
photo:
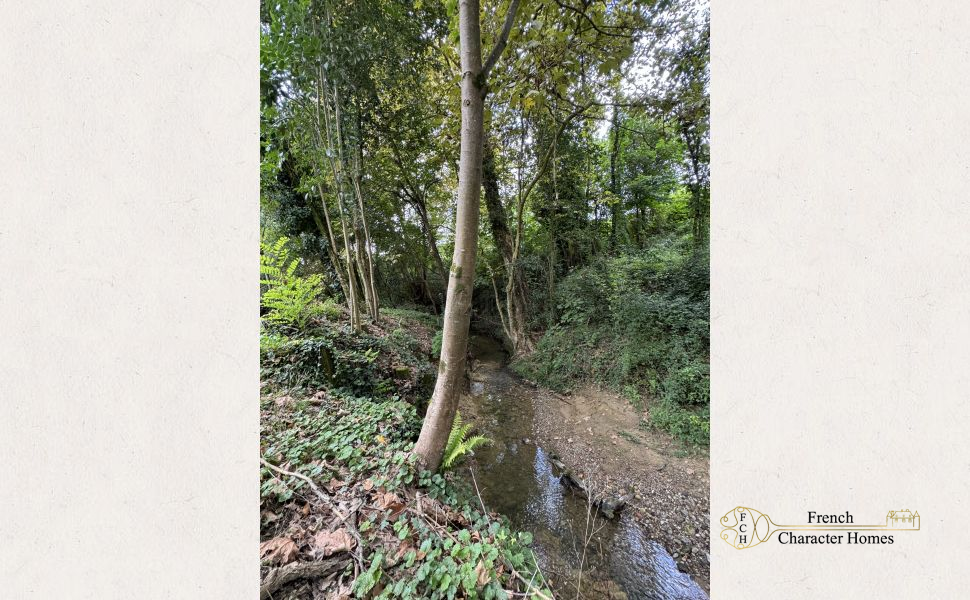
x: 521, y: 480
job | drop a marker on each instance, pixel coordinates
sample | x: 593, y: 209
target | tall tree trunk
x: 373, y: 304
x: 421, y: 208
x: 513, y: 315
x: 617, y: 212
x: 337, y: 167
x: 325, y: 228
x: 345, y: 222
x: 551, y: 281
x: 454, y: 342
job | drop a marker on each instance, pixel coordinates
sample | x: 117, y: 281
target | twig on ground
x: 346, y: 519
x: 479, y: 494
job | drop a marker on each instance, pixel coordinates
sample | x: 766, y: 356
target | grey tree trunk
x: 513, y: 314
x: 454, y: 342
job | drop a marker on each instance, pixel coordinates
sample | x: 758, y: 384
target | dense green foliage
x: 638, y: 323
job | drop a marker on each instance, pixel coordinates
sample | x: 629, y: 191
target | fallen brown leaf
x: 328, y: 543
x: 482, y: 573
x: 391, y: 502
x: 279, y: 550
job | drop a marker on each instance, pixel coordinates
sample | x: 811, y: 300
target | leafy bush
x: 331, y: 310
x: 640, y: 324
x: 332, y: 358
x: 692, y: 427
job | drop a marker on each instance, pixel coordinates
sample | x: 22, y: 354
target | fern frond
x: 455, y: 436
x: 458, y: 446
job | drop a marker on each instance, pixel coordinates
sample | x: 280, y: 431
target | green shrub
x: 640, y: 324
x: 331, y: 310
x: 330, y: 359
x: 690, y: 426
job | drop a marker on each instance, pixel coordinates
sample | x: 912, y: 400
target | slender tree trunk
x: 325, y: 228
x: 344, y: 221
x: 617, y: 212
x: 337, y: 166
x: 454, y: 344
x: 370, y: 289
x: 551, y: 280
x: 513, y: 316
x: 422, y: 209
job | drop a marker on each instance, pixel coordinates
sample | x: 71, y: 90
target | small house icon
x: 902, y: 519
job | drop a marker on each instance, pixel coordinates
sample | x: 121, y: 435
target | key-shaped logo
x: 745, y: 527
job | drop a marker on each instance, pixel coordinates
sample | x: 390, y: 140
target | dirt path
x: 597, y: 436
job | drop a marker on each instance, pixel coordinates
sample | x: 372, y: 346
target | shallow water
x: 521, y: 480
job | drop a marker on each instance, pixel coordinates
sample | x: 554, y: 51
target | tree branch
x: 503, y: 39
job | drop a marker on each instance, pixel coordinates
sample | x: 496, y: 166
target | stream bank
x: 657, y: 548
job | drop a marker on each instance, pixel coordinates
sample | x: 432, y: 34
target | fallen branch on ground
x: 279, y: 577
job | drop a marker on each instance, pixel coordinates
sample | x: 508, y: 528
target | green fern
x: 292, y: 300
x: 459, y: 444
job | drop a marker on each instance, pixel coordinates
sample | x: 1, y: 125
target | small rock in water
x: 526, y: 441
x: 611, y: 506
x: 570, y: 481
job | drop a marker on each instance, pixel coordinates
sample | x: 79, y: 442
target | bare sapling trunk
x: 513, y: 314
x: 337, y: 167
x: 325, y: 227
x: 373, y: 304
x: 454, y: 343
x: 328, y: 229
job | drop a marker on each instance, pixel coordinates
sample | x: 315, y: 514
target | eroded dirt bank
x: 594, y: 437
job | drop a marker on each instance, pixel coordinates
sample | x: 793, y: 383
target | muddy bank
x: 657, y: 547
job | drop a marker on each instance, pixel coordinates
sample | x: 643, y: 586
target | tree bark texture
x: 454, y: 344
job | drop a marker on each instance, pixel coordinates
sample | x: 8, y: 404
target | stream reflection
x: 520, y: 480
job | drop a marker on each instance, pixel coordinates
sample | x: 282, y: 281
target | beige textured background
x: 128, y: 310
x: 841, y: 290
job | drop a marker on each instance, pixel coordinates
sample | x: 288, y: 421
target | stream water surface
x: 520, y: 479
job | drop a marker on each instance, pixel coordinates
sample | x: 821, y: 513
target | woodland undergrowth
x: 345, y: 510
